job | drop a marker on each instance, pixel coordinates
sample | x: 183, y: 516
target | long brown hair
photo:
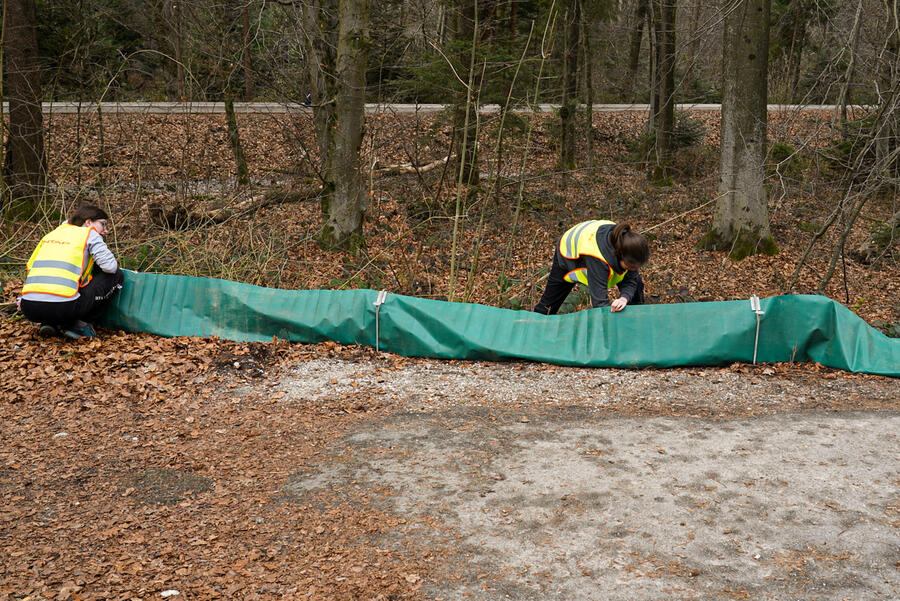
x: 629, y: 246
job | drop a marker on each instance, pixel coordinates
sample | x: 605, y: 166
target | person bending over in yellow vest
x: 72, y: 276
x: 600, y: 255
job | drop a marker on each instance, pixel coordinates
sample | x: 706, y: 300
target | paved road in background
x: 282, y: 107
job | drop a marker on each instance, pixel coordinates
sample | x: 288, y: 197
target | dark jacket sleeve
x: 598, y: 275
x: 628, y: 285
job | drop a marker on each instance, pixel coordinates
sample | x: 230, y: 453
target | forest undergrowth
x: 167, y: 181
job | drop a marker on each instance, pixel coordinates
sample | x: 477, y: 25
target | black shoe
x: 80, y: 329
x: 46, y: 331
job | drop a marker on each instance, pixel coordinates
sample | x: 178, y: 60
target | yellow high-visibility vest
x: 57, y: 266
x: 580, y: 240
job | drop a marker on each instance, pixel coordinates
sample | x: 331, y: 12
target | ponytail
x: 629, y: 246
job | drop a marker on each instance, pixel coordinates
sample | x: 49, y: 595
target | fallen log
x: 403, y: 168
x: 175, y: 214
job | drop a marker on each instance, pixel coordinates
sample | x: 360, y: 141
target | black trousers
x: 558, y: 289
x: 94, y: 299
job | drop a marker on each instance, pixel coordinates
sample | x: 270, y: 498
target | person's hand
x: 618, y: 304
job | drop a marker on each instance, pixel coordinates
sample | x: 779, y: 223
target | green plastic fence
x: 797, y: 328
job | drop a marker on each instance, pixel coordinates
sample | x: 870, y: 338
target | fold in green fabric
x: 792, y: 328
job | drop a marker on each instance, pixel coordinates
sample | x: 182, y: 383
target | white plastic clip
x: 378, y: 302
x: 754, y: 306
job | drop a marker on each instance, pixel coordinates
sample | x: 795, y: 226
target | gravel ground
x: 539, y: 482
x: 734, y: 391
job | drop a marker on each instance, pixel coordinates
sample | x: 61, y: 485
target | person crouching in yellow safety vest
x: 72, y: 276
x: 600, y: 255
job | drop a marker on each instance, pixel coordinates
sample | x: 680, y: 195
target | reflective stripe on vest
x: 580, y: 240
x: 576, y: 276
x: 57, y: 266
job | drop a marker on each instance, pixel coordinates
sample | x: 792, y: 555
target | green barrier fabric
x: 797, y: 328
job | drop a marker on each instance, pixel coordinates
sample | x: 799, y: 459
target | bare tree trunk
x: 179, y: 53
x: 652, y: 75
x: 888, y: 138
x: 637, y: 35
x: 319, y: 19
x: 693, y: 44
x: 441, y: 27
x: 234, y: 139
x: 337, y: 40
x: 25, y: 163
x: 79, y: 156
x: 740, y: 223
x: 245, y: 53
x: 844, y: 97
x: 467, y: 23
x: 346, y: 211
x: 570, y: 81
x: 2, y: 112
x: 587, y: 57
x: 101, y: 155
x: 798, y: 43
x: 662, y: 119
x: 174, y: 13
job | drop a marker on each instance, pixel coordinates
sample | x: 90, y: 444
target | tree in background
x: 656, y: 145
x: 662, y: 88
x: 886, y: 127
x: 336, y: 37
x: 879, y: 171
x: 571, y: 14
x: 866, y: 157
x: 246, y: 55
x: 691, y: 51
x: 100, y: 49
x: 847, y: 55
x: 577, y: 64
x: 636, y: 37
x: 168, y: 49
x: 740, y: 222
x: 792, y: 25
x: 236, y: 62
x: 25, y: 163
x: 173, y: 17
x: 473, y: 27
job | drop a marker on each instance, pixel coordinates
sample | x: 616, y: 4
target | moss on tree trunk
x: 740, y: 223
x: 337, y: 36
x: 741, y: 245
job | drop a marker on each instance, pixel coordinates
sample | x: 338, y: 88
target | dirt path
x: 572, y: 506
x: 531, y: 484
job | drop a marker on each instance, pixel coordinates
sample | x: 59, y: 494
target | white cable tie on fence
x: 378, y: 302
x: 754, y: 306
